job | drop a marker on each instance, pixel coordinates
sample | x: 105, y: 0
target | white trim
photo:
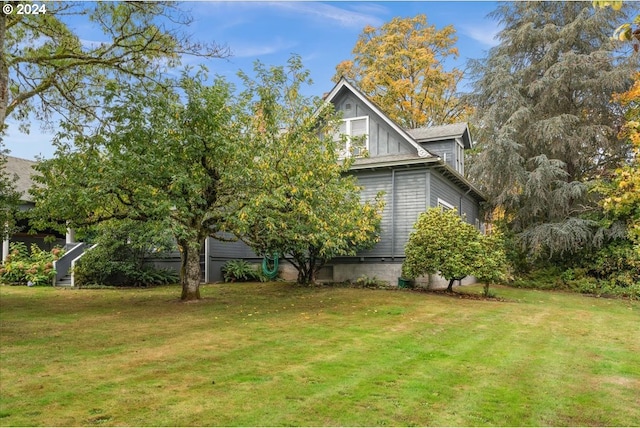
x: 206, y: 259
x: 343, y: 83
x: 73, y: 264
x: 346, y: 150
x: 5, y: 246
x: 444, y: 204
x: 459, y: 156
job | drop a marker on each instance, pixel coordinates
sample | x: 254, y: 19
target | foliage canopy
x: 400, y: 67
x: 158, y: 156
x: 298, y: 201
x: 546, y: 124
x: 442, y: 242
x: 45, y: 68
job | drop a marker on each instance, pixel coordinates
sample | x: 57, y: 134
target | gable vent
x: 347, y: 106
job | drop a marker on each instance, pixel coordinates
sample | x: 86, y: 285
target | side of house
x: 416, y: 169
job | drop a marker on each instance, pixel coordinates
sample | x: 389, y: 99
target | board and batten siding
x: 372, y: 183
x: 406, y: 196
x: 383, y: 140
x: 444, y: 149
x: 410, y: 201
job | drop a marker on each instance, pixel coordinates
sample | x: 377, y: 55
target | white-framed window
x: 459, y: 157
x: 444, y: 205
x: 356, y: 130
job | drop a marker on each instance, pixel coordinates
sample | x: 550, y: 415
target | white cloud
x: 484, y: 34
x: 331, y: 14
x: 356, y: 16
x: 252, y: 49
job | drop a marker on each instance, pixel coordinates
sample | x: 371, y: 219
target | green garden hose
x: 271, y: 273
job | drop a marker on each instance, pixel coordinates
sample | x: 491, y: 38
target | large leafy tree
x: 546, y: 123
x: 297, y: 200
x: 401, y: 67
x: 45, y: 67
x: 158, y: 156
x: 9, y: 197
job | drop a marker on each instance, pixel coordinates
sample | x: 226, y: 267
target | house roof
x: 443, y: 132
x: 414, y: 137
x: 391, y: 160
x: 23, y: 170
x: 343, y: 85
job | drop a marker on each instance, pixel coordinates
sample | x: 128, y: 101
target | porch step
x: 65, y: 281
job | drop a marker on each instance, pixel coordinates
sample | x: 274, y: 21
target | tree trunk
x: 190, y: 270
x: 4, y: 73
x: 450, y: 287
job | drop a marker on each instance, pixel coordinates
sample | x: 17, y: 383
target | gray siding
x: 445, y: 190
x: 410, y: 201
x: 441, y: 188
x: 383, y: 140
x: 230, y: 250
x: 372, y: 183
x: 470, y: 209
x: 444, y: 149
x: 406, y: 196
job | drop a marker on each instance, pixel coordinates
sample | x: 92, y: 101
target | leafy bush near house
x: 97, y: 267
x: 118, y: 260
x: 33, y: 267
x: 442, y: 242
x: 240, y: 271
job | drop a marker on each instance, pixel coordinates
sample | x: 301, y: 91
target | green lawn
x: 279, y: 354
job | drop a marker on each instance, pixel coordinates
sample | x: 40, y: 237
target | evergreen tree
x: 547, y: 124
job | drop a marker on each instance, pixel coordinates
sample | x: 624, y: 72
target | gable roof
x: 344, y: 85
x: 443, y: 132
x: 23, y: 170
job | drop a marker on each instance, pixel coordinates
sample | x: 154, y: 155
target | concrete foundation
x: 389, y: 272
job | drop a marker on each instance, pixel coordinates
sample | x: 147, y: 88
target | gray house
x: 417, y: 169
x: 22, y: 170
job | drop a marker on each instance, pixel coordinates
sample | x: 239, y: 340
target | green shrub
x: 366, y: 282
x: 31, y: 268
x: 240, y: 271
x: 546, y: 278
x: 618, y: 262
x: 97, y: 267
x: 118, y: 260
x: 442, y: 242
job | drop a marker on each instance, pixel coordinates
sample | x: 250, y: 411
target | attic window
x: 347, y: 106
x: 444, y: 205
x: 355, y: 132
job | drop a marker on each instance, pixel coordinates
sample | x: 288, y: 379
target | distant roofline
x: 23, y: 169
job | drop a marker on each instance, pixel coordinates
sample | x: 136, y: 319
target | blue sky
x: 322, y: 33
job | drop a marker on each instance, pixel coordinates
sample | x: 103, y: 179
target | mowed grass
x: 279, y: 354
